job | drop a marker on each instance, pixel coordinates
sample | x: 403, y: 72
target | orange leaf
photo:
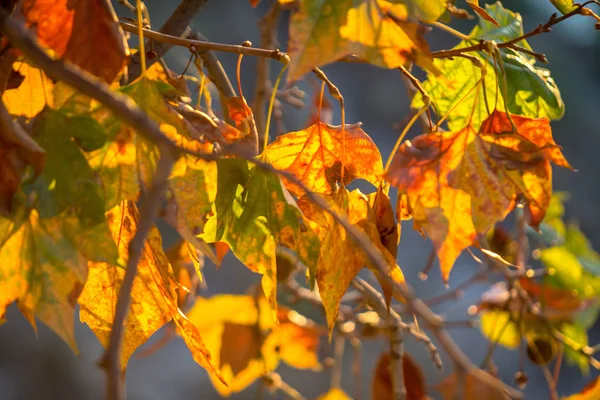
x: 474, y: 4
x: 84, y: 32
x: 590, y: 392
x: 473, y: 389
x: 459, y: 184
x: 246, y: 342
x: 153, y: 297
x: 339, y: 258
x: 382, y: 386
x: 314, y: 155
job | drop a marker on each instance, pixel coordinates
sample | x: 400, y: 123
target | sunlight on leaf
x: 153, y: 296
x: 497, y: 326
x: 590, y: 392
x: 253, y: 215
x: 531, y: 90
x: 334, y: 394
x: 459, y: 184
x: 32, y: 95
x: 314, y: 155
x: 324, y: 31
x: 234, y: 336
x: 84, y: 32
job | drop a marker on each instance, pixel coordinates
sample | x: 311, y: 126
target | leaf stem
x: 271, y: 105
x: 141, y: 35
x: 403, y: 134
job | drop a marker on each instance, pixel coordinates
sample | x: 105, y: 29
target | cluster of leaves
x: 72, y: 173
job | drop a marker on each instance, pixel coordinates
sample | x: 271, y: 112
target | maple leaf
x: 246, y: 341
x: 324, y: 31
x: 314, y: 155
x: 253, y: 215
x: 153, y: 296
x: 530, y: 89
x: 589, y: 392
x: 473, y: 388
x: 128, y: 159
x: 460, y: 183
x: 85, y: 32
x: 382, y: 387
x: 44, y: 266
x: 339, y: 259
x: 32, y: 95
x: 193, y: 184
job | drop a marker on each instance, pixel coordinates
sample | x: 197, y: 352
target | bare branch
x: 202, y: 45
x: 176, y: 25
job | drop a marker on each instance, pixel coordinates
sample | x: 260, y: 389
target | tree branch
x: 202, y: 45
x: 176, y: 25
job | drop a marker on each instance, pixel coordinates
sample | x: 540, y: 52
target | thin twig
x: 339, y: 345
x: 268, y: 38
x: 202, y: 45
x: 175, y: 25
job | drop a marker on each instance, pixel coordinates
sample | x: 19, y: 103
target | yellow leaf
x: 498, y: 328
x: 247, y: 343
x: 32, y: 95
x: 153, y: 297
x: 590, y: 392
x: 334, y: 394
x: 314, y: 155
x: 43, y: 270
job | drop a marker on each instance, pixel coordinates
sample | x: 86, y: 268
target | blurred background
x: 43, y: 367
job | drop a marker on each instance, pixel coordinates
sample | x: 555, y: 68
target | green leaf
x: 254, y: 214
x: 579, y: 245
x: 67, y: 182
x: 530, y: 90
x: 567, y: 272
x: 564, y: 6
x: 498, y: 328
x: 42, y: 269
x: 577, y: 337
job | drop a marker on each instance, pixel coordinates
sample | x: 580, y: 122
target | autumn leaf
x: 482, y: 12
x: 247, y: 342
x: 85, y: 32
x: 44, y: 266
x: 254, y: 214
x: 334, y: 394
x: 414, y: 382
x: 314, y: 155
x: 153, y: 296
x: 193, y: 184
x: 589, y: 392
x: 459, y: 184
x: 32, y: 95
x: 324, y: 31
x: 339, y: 259
x: 128, y: 160
x: 473, y: 388
x: 530, y: 89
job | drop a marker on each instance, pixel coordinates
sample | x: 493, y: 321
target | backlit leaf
x: 577, y: 337
x: 340, y: 259
x: 153, y: 296
x: 314, y: 155
x: 246, y: 342
x: 84, y: 32
x: 460, y: 183
x: 590, y: 392
x: 334, y: 394
x: 32, y: 95
x: 253, y: 215
x: 530, y: 89
x: 496, y: 325
x: 44, y: 266
x: 324, y: 31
